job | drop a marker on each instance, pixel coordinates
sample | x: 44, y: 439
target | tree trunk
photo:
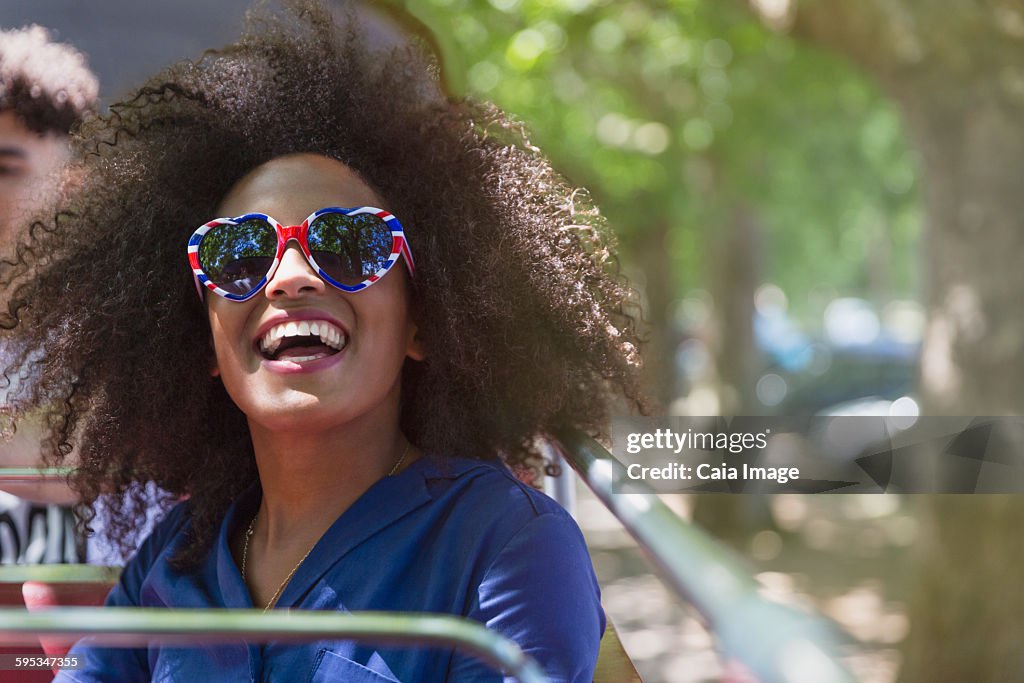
x: 968, y: 597
x: 653, y: 253
x: 735, y: 273
x: 956, y: 71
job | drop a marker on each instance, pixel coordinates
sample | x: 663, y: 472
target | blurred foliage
x: 677, y: 112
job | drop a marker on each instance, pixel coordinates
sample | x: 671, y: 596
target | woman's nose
x: 294, y: 276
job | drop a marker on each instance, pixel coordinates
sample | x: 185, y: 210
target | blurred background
x: 820, y: 204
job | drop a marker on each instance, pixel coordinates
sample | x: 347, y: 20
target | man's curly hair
x: 47, y: 84
x: 517, y: 294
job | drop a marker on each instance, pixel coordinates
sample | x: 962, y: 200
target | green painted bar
x: 137, y: 627
x: 15, y: 474
x: 58, y: 573
x: 777, y: 643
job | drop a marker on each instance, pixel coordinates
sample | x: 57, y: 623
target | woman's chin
x: 293, y: 410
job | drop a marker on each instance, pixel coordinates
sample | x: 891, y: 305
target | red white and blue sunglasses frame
x: 299, y: 233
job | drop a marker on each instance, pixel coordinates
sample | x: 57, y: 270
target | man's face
x: 30, y: 167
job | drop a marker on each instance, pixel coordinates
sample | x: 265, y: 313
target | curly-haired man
x: 46, y: 89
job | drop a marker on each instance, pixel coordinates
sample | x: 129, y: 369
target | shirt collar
x: 383, y: 504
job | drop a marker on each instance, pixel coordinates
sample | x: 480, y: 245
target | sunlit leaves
x: 524, y: 49
x: 698, y: 134
x: 630, y: 97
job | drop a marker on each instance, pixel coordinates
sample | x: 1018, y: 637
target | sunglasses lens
x: 237, y: 257
x: 350, y: 248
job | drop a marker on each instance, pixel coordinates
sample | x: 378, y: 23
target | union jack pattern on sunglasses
x: 349, y: 248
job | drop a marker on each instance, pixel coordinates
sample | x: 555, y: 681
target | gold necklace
x: 252, y: 526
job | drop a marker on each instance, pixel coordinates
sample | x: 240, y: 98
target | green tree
x: 724, y: 154
x: 956, y: 71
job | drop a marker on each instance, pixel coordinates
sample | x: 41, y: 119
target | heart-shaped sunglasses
x: 349, y: 248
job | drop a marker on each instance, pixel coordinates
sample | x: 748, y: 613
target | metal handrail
x: 21, y: 474
x: 140, y: 626
x: 778, y: 644
x: 58, y: 573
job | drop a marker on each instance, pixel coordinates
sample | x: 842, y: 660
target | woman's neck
x: 309, y: 478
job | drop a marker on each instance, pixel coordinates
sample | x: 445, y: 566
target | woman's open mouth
x: 301, y: 341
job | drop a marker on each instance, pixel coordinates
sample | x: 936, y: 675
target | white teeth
x: 329, y: 334
x: 301, y: 359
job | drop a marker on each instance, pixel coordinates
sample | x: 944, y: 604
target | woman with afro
x: 397, y: 296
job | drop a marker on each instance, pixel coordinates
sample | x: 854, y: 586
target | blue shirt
x: 453, y: 536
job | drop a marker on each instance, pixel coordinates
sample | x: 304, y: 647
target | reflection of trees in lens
x: 350, y: 248
x: 236, y: 257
